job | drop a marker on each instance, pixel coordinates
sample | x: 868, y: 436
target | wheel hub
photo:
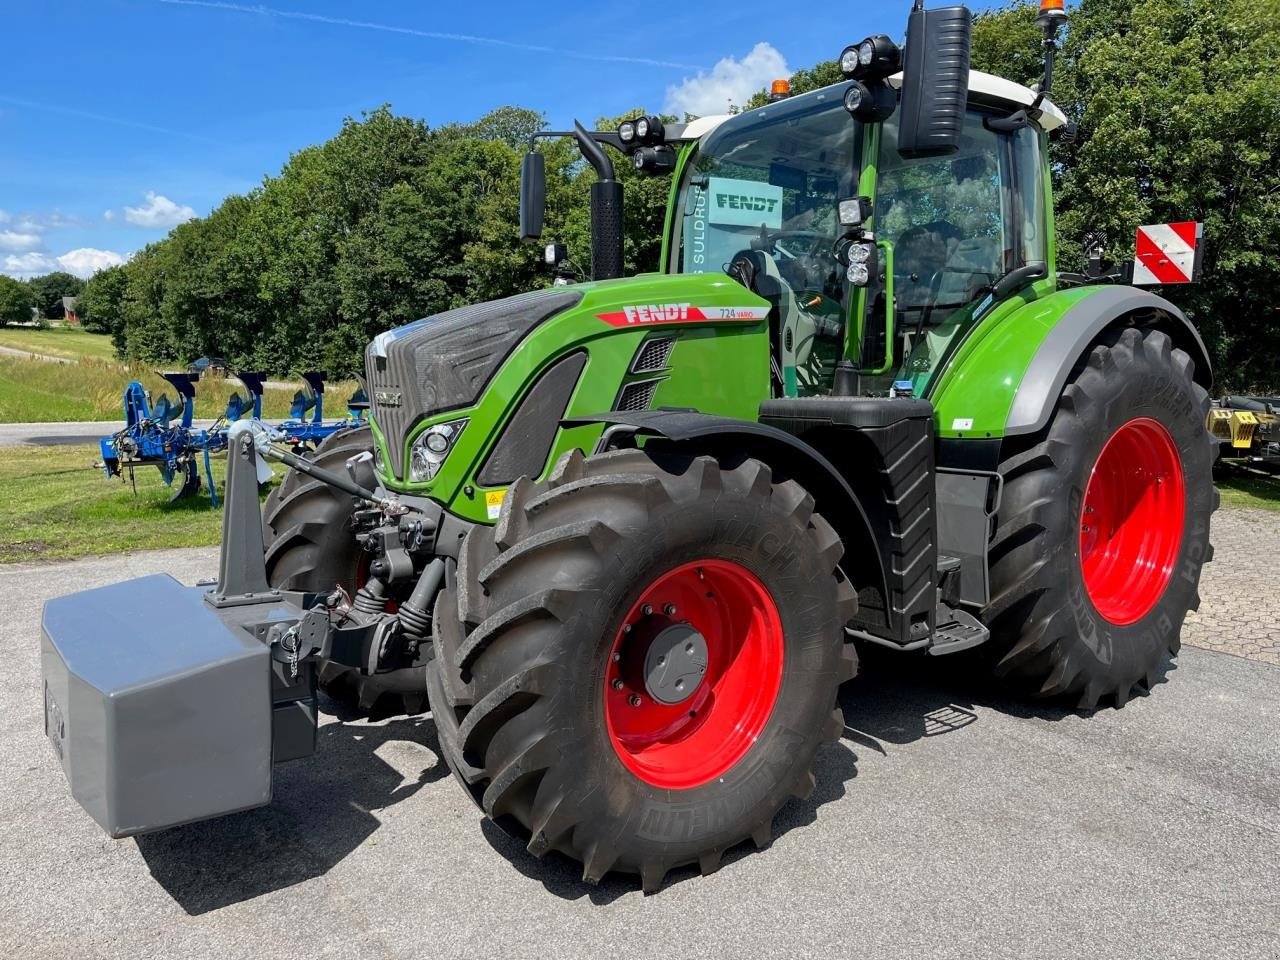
x: 675, y: 664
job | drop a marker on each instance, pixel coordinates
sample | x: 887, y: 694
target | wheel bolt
x: 626, y: 628
x: 647, y: 609
x: 617, y: 683
x: 669, y: 609
x: 617, y: 657
x: 635, y: 700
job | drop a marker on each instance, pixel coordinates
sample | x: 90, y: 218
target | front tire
x: 548, y: 689
x: 1104, y: 527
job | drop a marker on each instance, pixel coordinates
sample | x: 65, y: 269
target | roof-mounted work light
x: 875, y: 58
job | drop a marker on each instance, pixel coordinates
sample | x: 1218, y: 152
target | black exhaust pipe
x: 606, y: 210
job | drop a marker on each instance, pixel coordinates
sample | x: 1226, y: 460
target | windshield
x: 775, y: 173
x: 764, y: 188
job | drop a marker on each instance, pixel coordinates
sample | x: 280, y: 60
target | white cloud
x: 29, y: 264
x: 730, y: 82
x: 158, y: 211
x: 83, y: 262
x: 4, y: 217
x: 19, y: 242
x: 87, y: 261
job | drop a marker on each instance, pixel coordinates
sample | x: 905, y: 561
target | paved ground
x: 947, y: 823
x: 65, y: 434
x: 1240, y: 612
x: 29, y: 355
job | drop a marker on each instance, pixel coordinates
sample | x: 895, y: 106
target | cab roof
x: 985, y: 85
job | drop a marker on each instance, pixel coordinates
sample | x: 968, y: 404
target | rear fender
x: 1075, y: 333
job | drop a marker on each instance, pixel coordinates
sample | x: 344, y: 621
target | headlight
x: 849, y: 61
x: 429, y: 451
x: 627, y: 132
x: 855, y: 97
x: 379, y: 463
x: 642, y: 128
x: 859, y: 275
x: 859, y: 253
x: 866, y: 52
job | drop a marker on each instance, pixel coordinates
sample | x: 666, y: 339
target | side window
x: 950, y: 222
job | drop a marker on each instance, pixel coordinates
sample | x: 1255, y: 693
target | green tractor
x: 624, y: 536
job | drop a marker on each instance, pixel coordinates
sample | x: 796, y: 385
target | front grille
x: 444, y: 362
x: 636, y: 396
x: 653, y: 355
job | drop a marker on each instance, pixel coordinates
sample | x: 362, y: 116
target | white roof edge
x: 985, y: 84
x: 699, y: 128
x: 990, y: 85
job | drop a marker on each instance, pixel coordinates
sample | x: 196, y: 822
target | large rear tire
x: 1104, y: 527
x: 549, y: 691
x: 310, y: 546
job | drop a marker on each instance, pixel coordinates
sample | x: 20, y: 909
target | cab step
x: 959, y: 631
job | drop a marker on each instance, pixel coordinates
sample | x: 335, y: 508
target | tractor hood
x: 443, y: 362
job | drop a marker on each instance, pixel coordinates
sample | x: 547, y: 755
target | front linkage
x: 185, y: 718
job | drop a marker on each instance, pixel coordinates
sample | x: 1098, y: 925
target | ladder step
x: 961, y: 631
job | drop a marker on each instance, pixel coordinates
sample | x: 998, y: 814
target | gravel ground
x: 947, y: 823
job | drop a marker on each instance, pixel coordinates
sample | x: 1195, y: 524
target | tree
x: 16, y: 301
x: 51, y: 288
x: 100, y: 304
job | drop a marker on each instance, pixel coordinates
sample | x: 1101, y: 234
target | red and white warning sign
x: 1168, y: 253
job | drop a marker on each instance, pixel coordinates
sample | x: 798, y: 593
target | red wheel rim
x: 1132, y: 519
x: 727, y: 705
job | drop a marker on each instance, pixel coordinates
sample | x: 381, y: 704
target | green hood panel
x: 718, y: 363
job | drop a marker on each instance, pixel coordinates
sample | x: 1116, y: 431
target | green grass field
x: 1249, y: 488
x: 68, y: 342
x: 37, y: 391
x: 54, y: 505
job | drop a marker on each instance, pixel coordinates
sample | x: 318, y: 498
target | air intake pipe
x: 606, y: 209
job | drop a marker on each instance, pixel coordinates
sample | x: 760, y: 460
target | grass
x: 54, y: 505
x: 1249, y: 488
x: 67, y: 342
x: 37, y: 391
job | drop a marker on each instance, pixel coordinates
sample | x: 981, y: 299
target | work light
x: 627, y: 132
x: 875, y: 58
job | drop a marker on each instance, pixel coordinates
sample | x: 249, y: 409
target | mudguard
x: 1082, y: 324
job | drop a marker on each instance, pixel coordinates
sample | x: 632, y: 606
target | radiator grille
x: 636, y: 396
x: 653, y: 355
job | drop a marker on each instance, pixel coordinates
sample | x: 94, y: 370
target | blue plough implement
x: 164, y: 435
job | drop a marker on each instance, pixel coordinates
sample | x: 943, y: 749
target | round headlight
x: 855, y: 97
x: 858, y: 274
x: 866, y: 53
x: 642, y: 128
x: 859, y: 253
x: 627, y: 132
x: 849, y: 61
x: 437, y: 441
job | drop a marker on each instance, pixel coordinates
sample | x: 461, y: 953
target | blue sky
x: 120, y: 118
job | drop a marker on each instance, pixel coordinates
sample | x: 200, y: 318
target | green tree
x: 100, y: 305
x: 51, y: 288
x: 16, y: 301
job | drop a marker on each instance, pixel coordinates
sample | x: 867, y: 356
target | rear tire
x: 529, y: 638
x: 1086, y: 606
x: 310, y: 546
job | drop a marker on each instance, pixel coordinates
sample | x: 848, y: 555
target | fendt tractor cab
x: 625, y: 535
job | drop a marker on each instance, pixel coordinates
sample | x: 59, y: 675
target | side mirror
x: 533, y: 195
x: 935, y: 81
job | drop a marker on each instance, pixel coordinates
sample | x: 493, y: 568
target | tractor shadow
x: 321, y: 812
x: 895, y: 701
